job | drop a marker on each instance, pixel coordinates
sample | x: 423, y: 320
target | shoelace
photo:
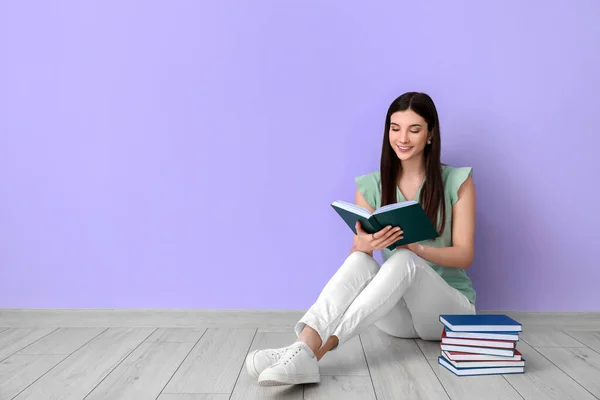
x: 277, y: 354
x: 288, y: 354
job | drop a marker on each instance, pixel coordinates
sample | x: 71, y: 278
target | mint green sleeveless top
x: 370, y: 187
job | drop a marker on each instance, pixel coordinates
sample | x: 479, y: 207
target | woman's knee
x: 402, y: 259
x: 401, y: 255
x: 361, y: 261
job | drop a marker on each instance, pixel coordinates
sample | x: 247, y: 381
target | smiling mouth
x: 404, y: 148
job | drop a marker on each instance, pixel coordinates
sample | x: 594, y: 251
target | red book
x: 461, y: 356
x: 485, y: 363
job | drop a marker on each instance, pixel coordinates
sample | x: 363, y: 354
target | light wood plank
x: 430, y: 348
x: 348, y: 359
x: 548, y: 338
x: 581, y: 364
x: 543, y: 380
x: 247, y: 387
x: 14, y: 339
x: 21, y: 370
x: 493, y: 387
x: 341, y: 387
x: 214, y: 364
x: 144, y: 373
x: 279, y: 329
x: 79, y: 373
x: 193, y: 396
x: 590, y: 338
x: 62, y: 341
x: 398, y: 368
x: 177, y: 335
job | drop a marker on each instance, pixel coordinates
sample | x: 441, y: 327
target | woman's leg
x: 403, y: 276
x: 318, y: 323
x: 431, y: 298
x: 315, y: 327
x: 398, y: 322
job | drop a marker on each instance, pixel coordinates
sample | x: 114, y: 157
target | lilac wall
x: 174, y: 154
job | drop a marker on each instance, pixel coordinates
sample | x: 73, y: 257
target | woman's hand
x: 367, y: 242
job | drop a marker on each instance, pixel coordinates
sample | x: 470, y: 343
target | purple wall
x: 175, y: 155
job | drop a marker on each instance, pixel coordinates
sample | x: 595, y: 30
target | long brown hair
x: 432, y: 195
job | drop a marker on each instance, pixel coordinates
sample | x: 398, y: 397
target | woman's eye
x: 415, y: 131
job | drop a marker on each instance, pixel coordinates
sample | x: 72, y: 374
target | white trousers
x: 403, y: 297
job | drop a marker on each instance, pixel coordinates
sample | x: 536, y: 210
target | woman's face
x: 408, y: 134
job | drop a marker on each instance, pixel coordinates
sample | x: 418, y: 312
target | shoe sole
x: 267, y: 379
x: 250, y: 368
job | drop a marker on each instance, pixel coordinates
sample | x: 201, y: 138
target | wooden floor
x: 199, y: 355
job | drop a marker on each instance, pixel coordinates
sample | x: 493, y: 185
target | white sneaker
x: 297, y: 365
x: 259, y: 360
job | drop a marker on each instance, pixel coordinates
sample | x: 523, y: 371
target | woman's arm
x: 460, y: 254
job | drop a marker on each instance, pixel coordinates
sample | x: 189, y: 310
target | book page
x: 394, y: 206
x: 353, y: 208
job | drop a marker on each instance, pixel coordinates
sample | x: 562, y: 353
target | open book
x: 409, y: 215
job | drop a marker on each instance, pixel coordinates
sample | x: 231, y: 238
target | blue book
x: 479, y: 370
x: 480, y: 323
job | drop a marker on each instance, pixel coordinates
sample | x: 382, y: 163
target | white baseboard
x: 256, y: 319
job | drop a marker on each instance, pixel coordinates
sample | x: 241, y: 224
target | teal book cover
x: 408, y: 215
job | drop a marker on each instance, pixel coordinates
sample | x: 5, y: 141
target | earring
x: 429, y: 141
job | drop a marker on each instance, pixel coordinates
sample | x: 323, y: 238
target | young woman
x: 416, y: 283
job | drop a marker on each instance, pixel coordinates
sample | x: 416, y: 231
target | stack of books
x: 484, y: 344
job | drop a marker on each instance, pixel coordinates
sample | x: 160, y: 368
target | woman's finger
x: 382, y: 233
x: 382, y: 243
x: 394, y: 231
x: 390, y: 234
